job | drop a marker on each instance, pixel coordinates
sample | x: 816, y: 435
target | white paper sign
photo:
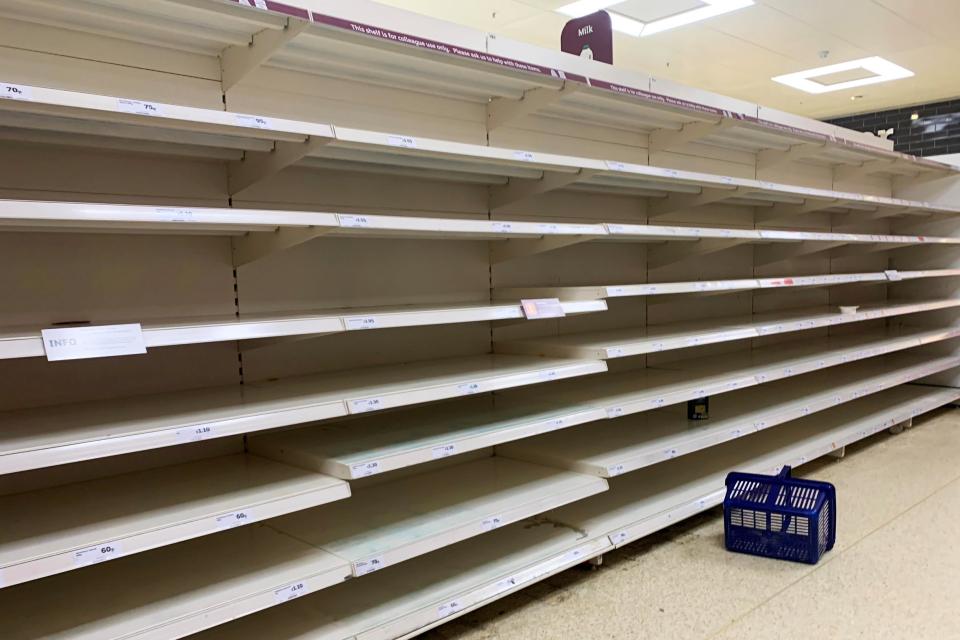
x: 364, y: 567
x: 539, y: 308
x: 77, y: 343
x: 354, y: 221
x: 233, y: 520
x: 139, y: 107
x: 97, y: 554
x: 402, y: 141
x: 361, y: 322
x: 365, y: 469
x: 526, y: 156
x: 290, y: 592
x: 256, y: 122
x: 492, y: 523
x: 15, y: 92
x: 502, y: 227
x: 170, y: 214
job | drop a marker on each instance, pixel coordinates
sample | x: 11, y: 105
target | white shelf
x: 26, y: 342
x: 650, y: 499
x: 391, y: 522
x: 64, y: 528
x: 425, y: 591
x: 46, y: 436
x: 171, y: 592
x: 360, y: 448
x: 602, y: 292
x: 624, y: 393
x: 640, y: 440
x: 437, y: 58
x: 619, y: 343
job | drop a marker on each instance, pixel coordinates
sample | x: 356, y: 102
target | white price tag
x: 77, y: 343
x: 576, y: 554
x: 449, y: 608
x: 235, y: 519
x: 670, y: 453
x: 364, y: 567
x: 893, y: 275
x: 290, y: 592
x: 361, y: 322
x: 169, y: 214
x: 353, y: 221
x: 615, y: 352
x: 548, y: 375
x: 364, y: 469
x: 502, y: 227
x: 489, y: 524
x: 614, y: 165
x: 614, y: 470
x: 526, y: 156
x: 15, y: 92
x: 366, y: 404
x: 256, y: 122
x: 614, y: 412
x: 402, y: 141
x: 552, y: 425
x: 443, y: 451
x: 505, y: 585
x: 97, y: 554
x: 618, y: 538
x: 658, y: 402
x: 469, y: 388
x: 196, y: 434
x: 547, y: 227
x: 139, y: 107
x: 539, y: 308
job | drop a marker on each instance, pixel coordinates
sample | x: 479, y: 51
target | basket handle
x: 784, y: 472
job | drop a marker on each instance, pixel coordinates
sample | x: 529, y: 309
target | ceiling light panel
x: 638, y: 28
x: 880, y: 70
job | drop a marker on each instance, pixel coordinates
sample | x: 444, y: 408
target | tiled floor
x: 894, y: 573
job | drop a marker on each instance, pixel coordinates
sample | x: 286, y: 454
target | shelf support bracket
x: 769, y: 158
x: 778, y: 252
x: 518, y: 189
x: 782, y: 210
x: 503, y: 111
x: 861, y: 170
x: 678, y: 201
x: 237, y: 62
x: 258, y: 244
x: 859, y: 215
x: 666, y: 139
x: 257, y: 166
x: 663, y: 254
x: 504, y: 250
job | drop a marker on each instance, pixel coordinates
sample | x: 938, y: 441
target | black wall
x: 936, y: 132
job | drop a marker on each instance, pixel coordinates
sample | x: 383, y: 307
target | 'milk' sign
x: 589, y: 37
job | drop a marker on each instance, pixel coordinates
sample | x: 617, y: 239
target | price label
x: 548, y: 375
x: 361, y: 322
x: 615, y: 352
x: 614, y: 165
x: 290, y: 592
x: 546, y: 227
x: 505, y: 585
x: 366, y: 404
x: 139, y: 107
x: 364, y: 469
x: 175, y: 215
x: 402, y: 141
x: 97, y: 554
x: 15, y: 92
x: 354, y: 221
x: 614, y: 470
x: 469, y: 388
x: 614, y: 412
x: 760, y: 424
x: 575, y: 554
x: 256, y: 122
x: 490, y: 524
x: 443, y: 451
x: 502, y: 227
x: 79, y: 343
x: 658, y: 402
x: 540, y: 308
x: 525, y: 156
x: 618, y: 538
x: 670, y: 453
x: 449, y: 608
x: 235, y: 519
x: 893, y: 275
x: 364, y: 567
x: 196, y: 434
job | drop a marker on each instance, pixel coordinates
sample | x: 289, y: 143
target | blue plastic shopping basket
x: 779, y: 516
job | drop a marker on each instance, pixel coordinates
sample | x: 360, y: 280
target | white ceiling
x: 736, y: 54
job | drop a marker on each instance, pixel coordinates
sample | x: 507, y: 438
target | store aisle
x: 895, y: 572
